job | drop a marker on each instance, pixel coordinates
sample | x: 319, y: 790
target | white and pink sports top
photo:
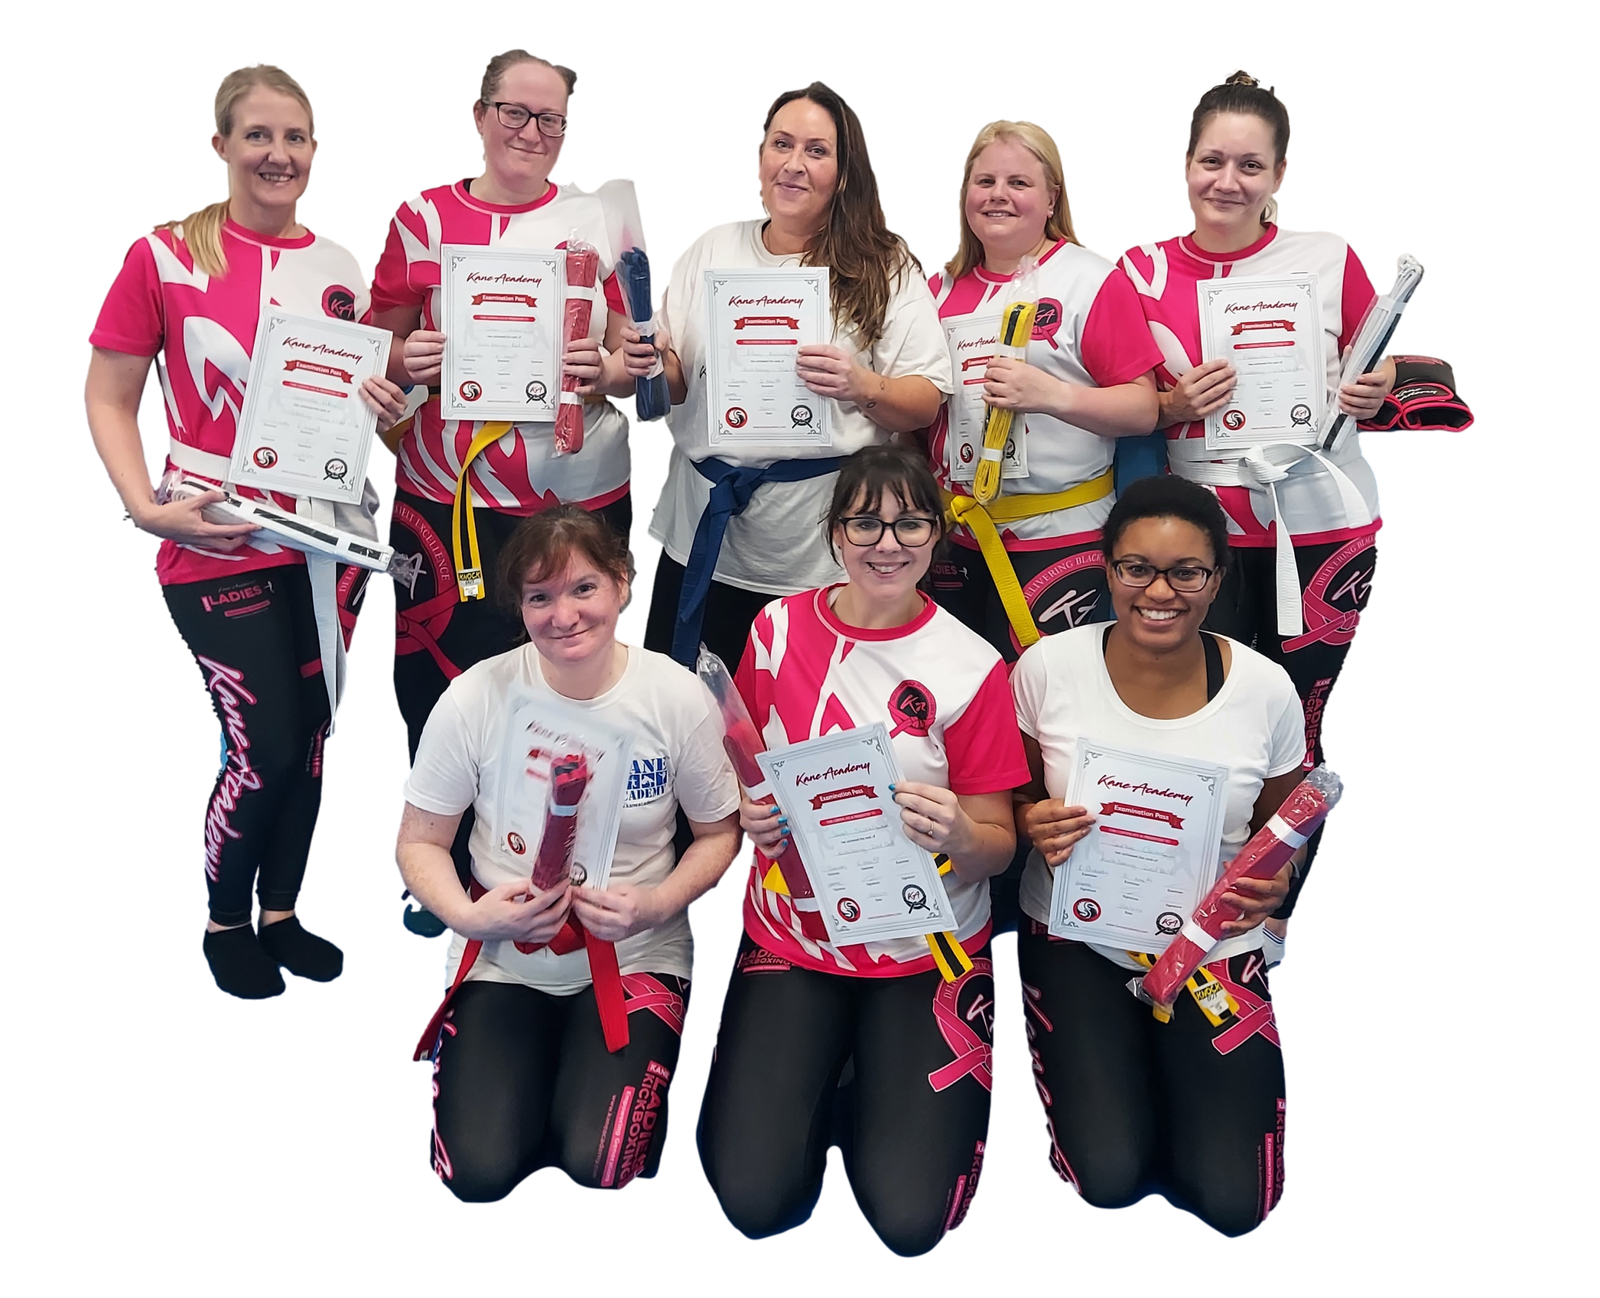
x: 517, y: 474
x: 1089, y: 330
x: 204, y: 328
x: 1165, y: 275
x: 943, y: 693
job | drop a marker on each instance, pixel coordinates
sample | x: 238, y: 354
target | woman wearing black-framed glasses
x: 1190, y: 1108
x: 521, y: 117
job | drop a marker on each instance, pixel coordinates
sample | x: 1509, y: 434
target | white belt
x: 1263, y: 467
x: 322, y: 569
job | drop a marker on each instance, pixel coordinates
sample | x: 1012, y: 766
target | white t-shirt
x: 776, y: 545
x: 677, y: 760
x: 1255, y: 727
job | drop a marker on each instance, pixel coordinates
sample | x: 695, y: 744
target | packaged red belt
x: 583, y: 268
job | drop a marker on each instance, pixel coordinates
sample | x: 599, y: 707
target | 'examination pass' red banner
x: 839, y: 795
x: 1146, y: 813
x: 344, y: 376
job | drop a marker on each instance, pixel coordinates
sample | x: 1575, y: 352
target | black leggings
x: 1134, y: 1106
x: 1336, y: 579
x: 730, y: 611
x: 254, y: 637
x: 911, y: 1122
x: 1065, y: 587
x: 522, y: 1080
x: 437, y: 636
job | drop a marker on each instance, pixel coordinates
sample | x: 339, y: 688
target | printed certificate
x: 757, y: 322
x: 304, y: 429
x: 973, y: 343
x: 1151, y: 855
x: 1270, y: 331
x: 543, y: 729
x: 503, y: 312
x: 872, y: 882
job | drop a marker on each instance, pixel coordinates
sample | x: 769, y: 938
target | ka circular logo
x: 1300, y: 415
x: 1168, y: 922
x: 470, y: 391
x: 265, y: 457
x: 1233, y: 420
x: 849, y: 912
x: 1086, y: 909
x: 515, y: 843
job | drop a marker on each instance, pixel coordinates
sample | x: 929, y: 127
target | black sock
x: 240, y: 966
x: 303, y: 954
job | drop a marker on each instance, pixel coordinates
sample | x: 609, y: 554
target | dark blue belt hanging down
x: 731, y: 489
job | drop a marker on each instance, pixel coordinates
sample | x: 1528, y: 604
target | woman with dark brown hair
x: 526, y: 1071
x: 750, y: 515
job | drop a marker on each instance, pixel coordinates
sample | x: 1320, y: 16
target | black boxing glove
x: 1424, y: 396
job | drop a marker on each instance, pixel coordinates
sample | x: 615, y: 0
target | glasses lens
x: 863, y: 531
x: 553, y: 124
x: 513, y: 116
x: 913, y: 531
x: 1187, y: 580
x: 1134, y: 574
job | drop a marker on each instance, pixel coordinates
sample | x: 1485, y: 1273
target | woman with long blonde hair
x: 1027, y: 564
x: 189, y: 296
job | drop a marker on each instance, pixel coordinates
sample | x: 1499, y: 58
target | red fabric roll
x: 1305, y: 808
x: 583, y: 268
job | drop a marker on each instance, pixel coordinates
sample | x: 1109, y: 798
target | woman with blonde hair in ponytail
x: 1026, y: 562
x: 189, y: 295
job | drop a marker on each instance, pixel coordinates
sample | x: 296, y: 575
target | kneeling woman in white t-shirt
x: 1191, y: 1109
x: 523, y: 1078
x: 804, y: 1013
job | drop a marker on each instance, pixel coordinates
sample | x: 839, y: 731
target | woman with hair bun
x: 525, y: 1075
x: 856, y: 1044
x: 1190, y: 1108
x: 1028, y: 564
x: 884, y: 373
x: 520, y: 115
x: 191, y: 292
x: 1327, y: 503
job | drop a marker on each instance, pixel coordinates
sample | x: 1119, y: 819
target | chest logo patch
x: 647, y: 780
x: 339, y: 302
x: 911, y: 705
x: 1047, y: 323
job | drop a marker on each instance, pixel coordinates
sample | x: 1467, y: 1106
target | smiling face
x: 888, y: 570
x: 1157, y: 617
x: 572, y: 615
x: 1008, y: 200
x: 520, y: 161
x: 1232, y: 173
x: 268, y: 151
x: 799, y: 166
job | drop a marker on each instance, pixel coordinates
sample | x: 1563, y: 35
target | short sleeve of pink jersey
x: 1358, y: 296
x: 391, y: 282
x: 1030, y: 677
x: 131, y: 319
x: 1116, y: 344
x: 983, y: 747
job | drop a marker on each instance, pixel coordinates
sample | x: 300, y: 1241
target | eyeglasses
x: 909, y: 530
x: 514, y: 117
x: 1185, y: 578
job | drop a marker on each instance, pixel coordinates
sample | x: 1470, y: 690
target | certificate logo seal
x: 1300, y: 415
x: 578, y: 875
x: 800, y: 417
x: 914, y: 898
x: 1233, y: 420
x: 1169, y: 922
x: 536, y: 392
x: 736, y: 417
x: 470, y: 391
x: 912, y: 707
x: 1086, y: 909
x: 264, y: 457
x: 966, y: 452
x: 339, y: 302
x: 335, y: 469
x: 849, y: 912
x: 515, y: 843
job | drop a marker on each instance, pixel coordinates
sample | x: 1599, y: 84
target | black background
x: 304, y: 1111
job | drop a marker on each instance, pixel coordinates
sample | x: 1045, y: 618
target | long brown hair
x: 1242, y: 93
x: 202, y: 231
x: 865, y: 259
x: 1036, y: 140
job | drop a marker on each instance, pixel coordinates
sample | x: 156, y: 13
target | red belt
x: 603, y: 972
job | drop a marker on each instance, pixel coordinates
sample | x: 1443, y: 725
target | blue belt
x: 731, y: 489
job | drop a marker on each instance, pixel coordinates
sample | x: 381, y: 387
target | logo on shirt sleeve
x: 647, y: 780
x: 339, y: 302
x: 911, y: 706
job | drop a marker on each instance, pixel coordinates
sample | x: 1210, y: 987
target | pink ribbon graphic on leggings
x: 974, y: 1055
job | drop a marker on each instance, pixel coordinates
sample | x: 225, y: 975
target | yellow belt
x: 980, y: 520
x: 469, y: 575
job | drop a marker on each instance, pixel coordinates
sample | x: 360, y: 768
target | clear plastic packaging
x: 1306, y: 807
x: 617, y: 197
x: 583, y: 270
x: 1016, y: 331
